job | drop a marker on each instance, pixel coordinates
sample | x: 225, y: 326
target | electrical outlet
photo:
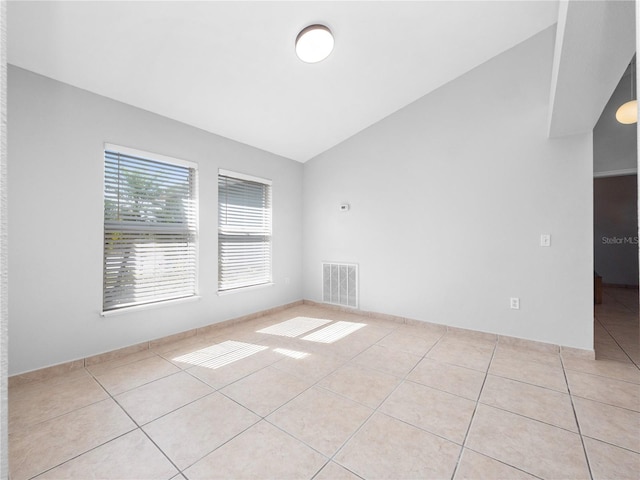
x: 515, y: 303
x: 287, y: 280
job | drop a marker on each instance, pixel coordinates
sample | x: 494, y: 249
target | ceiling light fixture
x: 627, y: 114
x: 314, y: 43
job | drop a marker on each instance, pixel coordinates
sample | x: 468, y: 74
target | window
x: 244, y: 231
x: 150, y: 216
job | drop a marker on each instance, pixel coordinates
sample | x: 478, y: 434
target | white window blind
x: 244, y: 231
x: 150, y: 215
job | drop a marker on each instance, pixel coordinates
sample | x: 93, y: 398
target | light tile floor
x: 298, y: 401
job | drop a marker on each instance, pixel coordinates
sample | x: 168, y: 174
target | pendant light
x: 627, y: 114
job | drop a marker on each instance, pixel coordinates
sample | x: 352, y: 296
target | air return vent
x: 340, y: 284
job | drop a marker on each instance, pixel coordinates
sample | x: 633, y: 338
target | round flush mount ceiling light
x: 314, y: 43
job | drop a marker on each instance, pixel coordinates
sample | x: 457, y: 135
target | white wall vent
x: 340, y: 284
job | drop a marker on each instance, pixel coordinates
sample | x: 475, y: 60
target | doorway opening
x: 615, y: 225
x: 616, y: 334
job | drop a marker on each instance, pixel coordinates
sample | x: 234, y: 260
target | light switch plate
x: 545, y: 240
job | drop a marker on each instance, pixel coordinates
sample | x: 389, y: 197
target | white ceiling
x: 230, y: 67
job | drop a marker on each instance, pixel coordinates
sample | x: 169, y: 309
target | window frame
x: 269, y: 184
x: 145, y: 228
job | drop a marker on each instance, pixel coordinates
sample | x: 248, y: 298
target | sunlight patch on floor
x: 334, y: 332
x: 219, y: 355
x: 291, y: 353
x: 294, y: 327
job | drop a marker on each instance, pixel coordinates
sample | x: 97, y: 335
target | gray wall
x: 614, y: 144
x: 55, y: 178
x: 449, y: 197
x: 615, y: 219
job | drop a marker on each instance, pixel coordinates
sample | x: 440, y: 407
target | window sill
x: 245, y: 289
x: 149, y: 306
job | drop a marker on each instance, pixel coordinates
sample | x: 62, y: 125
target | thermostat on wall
x: 344, y: 207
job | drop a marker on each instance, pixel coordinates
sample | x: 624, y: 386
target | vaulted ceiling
x: 230, y: 67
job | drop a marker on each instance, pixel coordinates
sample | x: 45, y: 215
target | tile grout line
x: 630, y: 312
x: 221, y: 445
x: 138, y: 386
x: 504, y: 463
x: 606, y: 442
x: 31, y: 425
x: 139, y: 427
x: 339, y: 465
x: 422, y: 429
x: 528, y: 418
x: 610, y: 377
x: 88, y: 369
x: 616, y: 341
x: 607, y: 404
x: 473, y: 415
x: 575, y: 414
x: 82, y: 453
x: 549, y: 389
x: 377, y: 409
